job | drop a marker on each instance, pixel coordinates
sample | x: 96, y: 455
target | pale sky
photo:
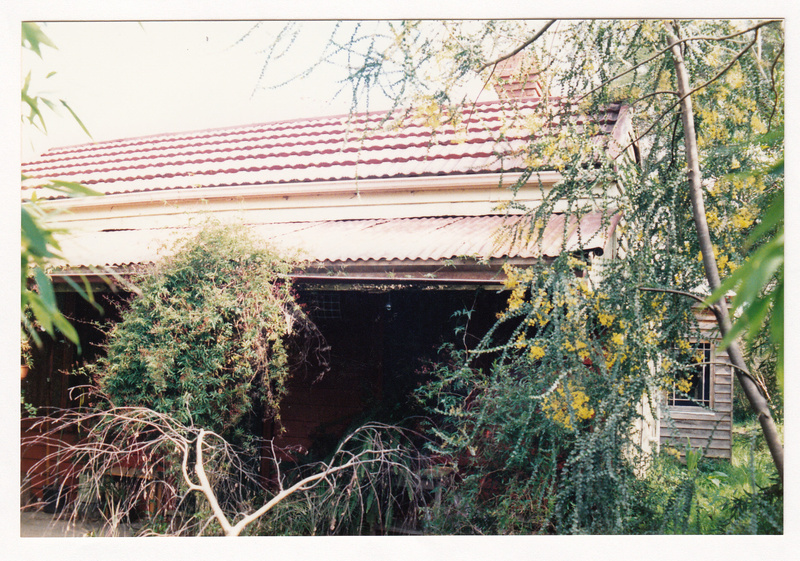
x: 124, y: 79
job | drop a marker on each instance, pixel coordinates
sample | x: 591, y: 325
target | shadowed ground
x: 37, y: 524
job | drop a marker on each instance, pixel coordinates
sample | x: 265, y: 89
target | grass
x: 695, y: 495
x: 741, y: 496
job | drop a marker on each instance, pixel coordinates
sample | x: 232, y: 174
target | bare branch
x: 200, y: 470
x: 149, y: 454
x: 519, y: 49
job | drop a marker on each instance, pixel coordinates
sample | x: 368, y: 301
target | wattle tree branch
x: 757, y: 400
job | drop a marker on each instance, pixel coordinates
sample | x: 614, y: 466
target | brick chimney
x: 519, y: 76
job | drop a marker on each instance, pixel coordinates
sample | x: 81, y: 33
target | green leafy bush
x: 205, y: 339
x: 537, y: 423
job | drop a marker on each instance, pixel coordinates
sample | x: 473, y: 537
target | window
x: 699, y: 393
x: 326, y: 305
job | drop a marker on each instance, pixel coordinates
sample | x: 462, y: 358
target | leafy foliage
x: 39, y: 241
x: 33, y: 38
x: 206, y: 339
x: 700, y: 496
x: 758, y: 283
x: 541, y: 442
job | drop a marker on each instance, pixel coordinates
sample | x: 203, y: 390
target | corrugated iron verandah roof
x: 490, y: 139
x: 348, y: 242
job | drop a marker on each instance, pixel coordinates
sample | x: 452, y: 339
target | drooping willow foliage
x: 540, y: 440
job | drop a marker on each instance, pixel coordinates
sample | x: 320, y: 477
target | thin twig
x: 672, y: 291
x: 744, y: 371
x: 519, y: 49
x: 774, y: 89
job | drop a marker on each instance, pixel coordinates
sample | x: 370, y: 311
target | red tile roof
x: 489, y: 139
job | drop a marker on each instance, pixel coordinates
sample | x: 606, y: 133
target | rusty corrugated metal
x: 349, y: 241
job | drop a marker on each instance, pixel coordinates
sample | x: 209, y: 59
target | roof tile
x: 318, y: 149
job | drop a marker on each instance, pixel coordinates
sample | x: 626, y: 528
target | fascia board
x: 284, y: 190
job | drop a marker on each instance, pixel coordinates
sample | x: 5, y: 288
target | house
x: 399, y: 223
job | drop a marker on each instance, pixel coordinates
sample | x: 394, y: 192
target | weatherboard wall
x: 708, y: 429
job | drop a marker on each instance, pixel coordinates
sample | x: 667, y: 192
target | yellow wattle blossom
x: 536, y: 352
x: 683, y: 385
x: 460, y: 136
x: 713, y: 219
x: 738, y: 115
x: 605, y: 319
x: 429, y: 114
x: 557, y: 408
x: 722, y: 262
x: 516, y: 299
x: 734, y: 77
x: 576, y: 263
x: 650, y: 29
x: 743, y: 218
x: 618, y: 339
x: 757, y: 124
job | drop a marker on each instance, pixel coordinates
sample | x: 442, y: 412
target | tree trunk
x: 757, y: 400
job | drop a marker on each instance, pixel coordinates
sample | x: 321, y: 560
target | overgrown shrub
x: 541, y: 440
x: 205, y: 338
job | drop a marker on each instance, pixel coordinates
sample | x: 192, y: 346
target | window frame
x: 676, y: 399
